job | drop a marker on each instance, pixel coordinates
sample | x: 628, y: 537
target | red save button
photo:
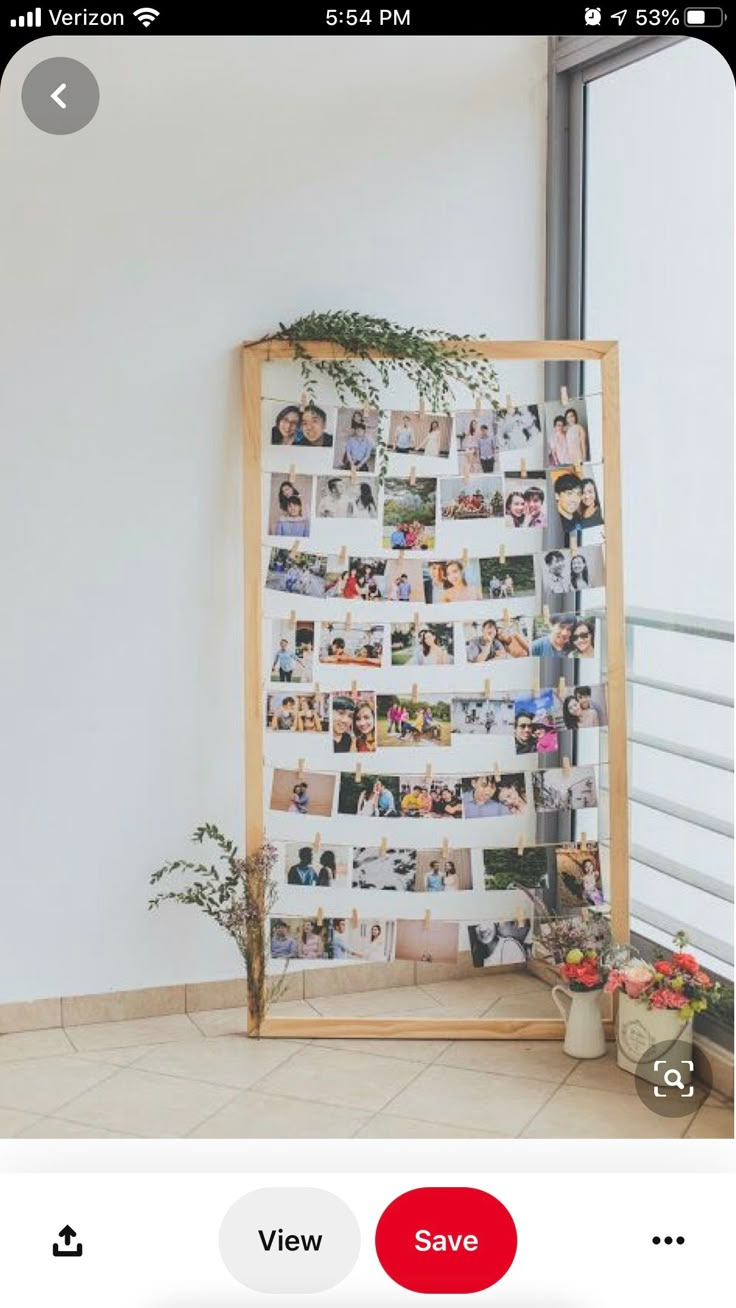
x: 446, y: 1240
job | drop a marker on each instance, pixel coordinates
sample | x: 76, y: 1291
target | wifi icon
x: 146, y: 15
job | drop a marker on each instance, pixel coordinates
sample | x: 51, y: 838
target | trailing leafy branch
x: 238, y: 894
x: 434, y: 361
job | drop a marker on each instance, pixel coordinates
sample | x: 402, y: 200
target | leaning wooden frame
x: 254, y: 355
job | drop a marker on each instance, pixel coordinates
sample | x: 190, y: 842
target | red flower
x: 664, y: 969
x: 702, y: 979
x: 686, y: 963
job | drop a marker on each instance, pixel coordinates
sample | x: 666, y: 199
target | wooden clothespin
x: 422, y: 404
x: 353, y: 473
x: 428, y: 772
x: 292, y: 471
x: 417, y: 622
x: 414, y: 693
x: 367, y: 410
x: 343, y: 555
x: 413, y: 475
x: 466, y: 470
x: 303, y: 399
x: 348, y: 620
x: 520, y: 916
x: 520, y: 845
x: 300, y: 770
x: 427, y: 919
x: 353, y: 687
x: 522, y: 467
x: 564, y: 397
x: 316, y: 688
x: 464, y: 557
x: 445, y: 847
x: 506, y: 617
x: 402, y: 554
x: 292, y: 618
x: 317, y: 843
x: 583, y: 841
x: 384, y: 845
x: 502, y: 553
x: 585, y: 914
x: 566, y: 768
x: 295, y: 546
x: 487, y: 688
x: 579, y: 470
x: 320, y: 916
x: 562, y: 688
x: 509, y: 402
x: 573, y: 550
x: 478, y: 403
x: 535, y: 679
x: 546, y: 615
x: 359, y: 771
x: 497, y: 773
x: 354, y: 919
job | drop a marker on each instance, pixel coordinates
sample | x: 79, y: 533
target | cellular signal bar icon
x: 31, y: 19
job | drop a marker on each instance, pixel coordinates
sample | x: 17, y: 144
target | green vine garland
x: 434, y: 361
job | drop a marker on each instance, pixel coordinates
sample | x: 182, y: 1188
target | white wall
x: 222, y: 186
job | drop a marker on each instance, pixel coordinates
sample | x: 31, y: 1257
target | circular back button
x: 60, y: 96
x: 446, y: 1240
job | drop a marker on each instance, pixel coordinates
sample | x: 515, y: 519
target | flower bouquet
x: 576, y: 945
x: 657, y: 1004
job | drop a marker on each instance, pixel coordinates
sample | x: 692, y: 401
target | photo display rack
x: 269, y: 782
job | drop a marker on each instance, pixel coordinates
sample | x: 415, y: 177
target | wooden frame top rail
x: 272, y: 351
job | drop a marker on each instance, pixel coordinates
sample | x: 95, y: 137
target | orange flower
x: 702, y: 979
x: 686, y: 962
x: 664, y: 969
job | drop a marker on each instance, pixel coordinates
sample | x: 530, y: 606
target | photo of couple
x: 346, y: 497
x: 452, y: 582
x: 300, y: 425
x: 354, y: 644
x: 567, y: 434
x: 536, y: 721
x: 493, y: 944
x: 297, y: 713
x: 409, y: 512
x: 354, y: 722
x: 305, y: 794
x: 567, y: 571
x: 525, y: 504
x: 490, y: 796
x: 584, y: 706
x: 576, y: 498
x: 307, y: 865
x: 420, y: 433
x: 564, y: 635
x: 438, y: 872
x: 508, y: 577
x: 497, y: 639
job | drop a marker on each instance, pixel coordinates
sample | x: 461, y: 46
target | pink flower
x: 667, y: 999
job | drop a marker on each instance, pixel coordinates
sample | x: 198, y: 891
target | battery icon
x: 709, y: 17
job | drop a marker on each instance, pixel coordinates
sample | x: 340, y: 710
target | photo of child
x: 579, y: 882
x: 289, y: 507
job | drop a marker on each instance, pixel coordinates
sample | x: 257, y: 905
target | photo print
x: 467, y: 499
x: 420, y: 433
x: 567, y: 433
x: 536, y: 723
x: 346, y: 497
x: 497, y: 944
x: 507, y: 869
x: 497, y: 638
x: 579, y: 881
x: 356, y: 440
x: 565, y: 572
x: 508, y: 578
x: 403, y: 720
x: 289, y: 711
x: 370, y: 941
x: 558, y: 790
x: 368, y: 796
x: 422, y: 644
x: 297, y: 574
x: 292, y: 650
x: 430, y: 797
x: 307, y: 865
x: 564, y: 636
x: 404, y: 580
x: 299, y: 937
x: 427, y: 942
x: 520, y: 429
x: 358, y: 644
x: 307, y: 795
x: 437, y: 872
x: 452, y: 582
x: 302, y: 426
x: 289, y: 505
x: 477, y: 441
x: 353, y: 722
x: 577, y: 498
x: 476, y: 715
x: 525, y: 500
x: 362, y: 579
x: 376, y: 868
x: 584, y: 706
x: 489, y: 795
x: 409, y: 513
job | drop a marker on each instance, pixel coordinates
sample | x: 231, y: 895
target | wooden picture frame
x: 254, y: 355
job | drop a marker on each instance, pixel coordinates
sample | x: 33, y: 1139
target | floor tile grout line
x: 77, y: 1095
x: 78, y: 1121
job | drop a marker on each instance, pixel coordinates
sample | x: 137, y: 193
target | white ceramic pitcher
x: 584, y: 1034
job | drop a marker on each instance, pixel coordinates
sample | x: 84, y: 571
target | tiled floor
x: 198, y: 1076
